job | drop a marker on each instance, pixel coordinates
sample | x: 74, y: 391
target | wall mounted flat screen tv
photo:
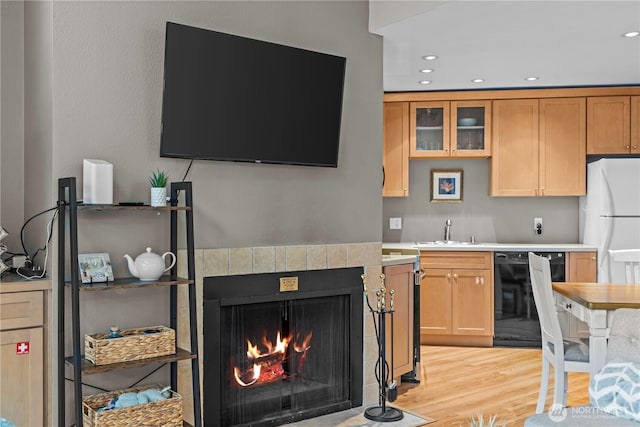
x: 234, y: 98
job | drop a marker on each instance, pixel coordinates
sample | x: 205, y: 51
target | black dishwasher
x: 515, y: 315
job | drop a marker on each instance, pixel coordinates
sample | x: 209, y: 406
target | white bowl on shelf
x: 467, y: 121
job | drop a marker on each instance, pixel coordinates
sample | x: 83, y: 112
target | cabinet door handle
x: 627, y: 146
x: 535, y: 191
x: 568, y: 306
x: 482, y: 280
x: 542, y: 191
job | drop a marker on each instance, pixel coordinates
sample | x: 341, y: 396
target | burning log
x: 274, y: 365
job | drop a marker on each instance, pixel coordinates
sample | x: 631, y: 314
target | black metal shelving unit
x: 68, y: 224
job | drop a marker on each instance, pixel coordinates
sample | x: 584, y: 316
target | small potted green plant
x: 158, y: 181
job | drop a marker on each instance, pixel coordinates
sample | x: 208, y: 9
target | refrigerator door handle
x: 608, y: 235
x: 608, y: 207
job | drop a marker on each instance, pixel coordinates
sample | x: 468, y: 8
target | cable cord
x: 24, y: 248
x: 45, y: 248
x: 187, y: 172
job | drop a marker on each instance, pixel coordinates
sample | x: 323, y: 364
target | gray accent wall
x: 93, y: 73
x: 489, y: 219
x: 93, y: 89
x: 11, y: 121
x: 107, y: 86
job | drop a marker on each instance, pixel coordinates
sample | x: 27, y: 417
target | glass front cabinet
x: 450, y: 129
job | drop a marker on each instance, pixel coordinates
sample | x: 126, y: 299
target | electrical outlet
x: 537, y: 226
x: 395, y: 223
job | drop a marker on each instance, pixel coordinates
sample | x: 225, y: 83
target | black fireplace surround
x: 250, y: 380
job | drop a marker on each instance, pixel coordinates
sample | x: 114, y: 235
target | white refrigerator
x: 610, y: 212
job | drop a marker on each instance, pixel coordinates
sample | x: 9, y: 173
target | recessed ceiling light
x: 425, y: 82
x: 477, y: 80
x: 632, y: 34
x: 429, y: 57
x: 426, y: 70
x: 531, y: 79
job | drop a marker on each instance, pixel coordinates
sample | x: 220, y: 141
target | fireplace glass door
x: 283, y: 358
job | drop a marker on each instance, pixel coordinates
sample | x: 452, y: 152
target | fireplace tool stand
x: 386, y: 389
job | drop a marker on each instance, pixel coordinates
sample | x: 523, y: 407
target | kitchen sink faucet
x: 447, y: 230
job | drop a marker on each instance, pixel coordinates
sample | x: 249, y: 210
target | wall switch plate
x: 395, y: 223
x: 537, y: 226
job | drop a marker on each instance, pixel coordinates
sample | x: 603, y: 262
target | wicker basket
x: 165, y: 413
x: 134, y: 344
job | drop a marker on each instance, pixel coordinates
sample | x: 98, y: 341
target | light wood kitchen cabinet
x: 581, y: 267
x: 609, y: 125
x: 435, y: 131
x: 399, y: 278
x: 456, y: 298
x: 23, y: 388
x: 395, y: 149
x: 538, y: 147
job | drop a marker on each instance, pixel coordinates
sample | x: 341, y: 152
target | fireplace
x: 281, y: 347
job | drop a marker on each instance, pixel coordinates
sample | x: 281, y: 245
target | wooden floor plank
x: 458, y: 383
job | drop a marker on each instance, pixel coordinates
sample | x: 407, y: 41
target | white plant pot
x: 158, y: 196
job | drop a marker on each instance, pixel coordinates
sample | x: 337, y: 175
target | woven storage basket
x: 134, y: 344
x: 163, y: 413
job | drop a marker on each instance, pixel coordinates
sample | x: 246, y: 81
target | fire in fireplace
x: 281, y: 347
x: 273, y: 361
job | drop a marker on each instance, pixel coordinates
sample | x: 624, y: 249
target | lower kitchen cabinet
x: 399, y: 278
x: 23, y: 388
x: 456, y: 298
x: 581, y: 267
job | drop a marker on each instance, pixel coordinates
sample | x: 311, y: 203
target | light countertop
x: 11, y: 282
x: 482, y: 246
x: 388, y: 260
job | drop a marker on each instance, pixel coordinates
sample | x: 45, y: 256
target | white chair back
x: 545, y: 304
x: 631, y: 260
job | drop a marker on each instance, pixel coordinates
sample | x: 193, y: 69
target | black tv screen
x: 234, y: 98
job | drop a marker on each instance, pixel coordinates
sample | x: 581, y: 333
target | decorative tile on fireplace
x: 219, y: 262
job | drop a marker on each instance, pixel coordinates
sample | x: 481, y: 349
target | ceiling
x: 563, y: 43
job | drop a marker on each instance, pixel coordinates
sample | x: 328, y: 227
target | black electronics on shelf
x: 68, y: 222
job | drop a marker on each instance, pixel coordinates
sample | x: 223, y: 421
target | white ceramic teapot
x: 149, y: 265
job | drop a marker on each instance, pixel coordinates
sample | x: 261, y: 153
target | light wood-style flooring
x: 458, y: 383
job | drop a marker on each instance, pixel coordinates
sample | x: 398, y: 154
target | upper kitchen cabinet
x: 613, y: 125
x: 538, y: 147
x: 395, y: 150
x: 441, y: 129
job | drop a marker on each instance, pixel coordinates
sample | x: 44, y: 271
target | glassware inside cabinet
x: 429, y: 128
x: 470, y: 128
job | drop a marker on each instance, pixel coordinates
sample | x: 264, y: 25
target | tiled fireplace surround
x: 270, y: 259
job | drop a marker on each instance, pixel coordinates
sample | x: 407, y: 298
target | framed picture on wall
x: 95, y: 268
x: 446, y: 185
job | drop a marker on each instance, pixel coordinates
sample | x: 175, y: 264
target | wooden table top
x: 601, y: 296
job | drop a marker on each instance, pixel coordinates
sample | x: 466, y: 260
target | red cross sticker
x: 22, y: 347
